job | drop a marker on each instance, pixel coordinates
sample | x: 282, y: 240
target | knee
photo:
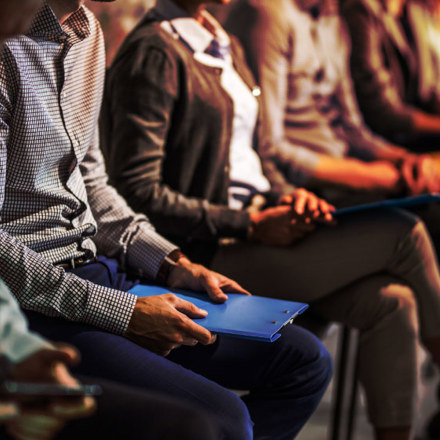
x: 233, y: 417
x: 311, y: 360
x: 195, y: 425
x: 396, y: 309
x: 405, y: 312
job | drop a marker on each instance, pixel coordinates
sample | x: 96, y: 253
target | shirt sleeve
x: 16, y: 341
x: 121, y: 232
x: 273, y: 53
x: 376, y: 88
x: 36, y: 282
x: 363, y: 143
x: 135, y: 134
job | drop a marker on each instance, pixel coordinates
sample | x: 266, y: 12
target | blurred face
x: 16, y: 16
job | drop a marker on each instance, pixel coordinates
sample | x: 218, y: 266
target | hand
x: 279, y: 226
x: 188, y: 275
x: 420, y: 174
x: 39, y: 422
x: 309, y: 205
x: 162, y: 323
x: 15, y: 19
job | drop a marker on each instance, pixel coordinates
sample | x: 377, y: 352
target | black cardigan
x: 166, y: 131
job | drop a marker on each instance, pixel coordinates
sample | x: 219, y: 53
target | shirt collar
x: 196, y: 36
x: 47, y: 26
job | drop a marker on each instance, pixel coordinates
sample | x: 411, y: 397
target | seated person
x: 121, y: 413
x: 179, y: 115
x: 312, y: 128
x: 395, y: 64
x: 57, y: 214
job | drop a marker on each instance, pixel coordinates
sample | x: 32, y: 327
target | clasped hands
x: 420, y: 174
x: 296, y: 216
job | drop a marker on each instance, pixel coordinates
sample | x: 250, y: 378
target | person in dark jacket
x: 178, y: 125
x: 395, y: 63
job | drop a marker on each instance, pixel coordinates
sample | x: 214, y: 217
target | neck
x: 63, y: 9
x: 193, y: 8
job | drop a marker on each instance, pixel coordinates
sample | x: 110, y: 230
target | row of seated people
x: 182, y: 151
x: 179, y: 117
x: 54, y: 198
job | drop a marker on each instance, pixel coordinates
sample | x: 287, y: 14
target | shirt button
x: 89, y: 231
x: 256, y: 91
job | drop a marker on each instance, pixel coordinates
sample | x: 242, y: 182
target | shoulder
x: 150, y: 44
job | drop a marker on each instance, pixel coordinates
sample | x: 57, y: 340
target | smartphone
x: 25, y: 389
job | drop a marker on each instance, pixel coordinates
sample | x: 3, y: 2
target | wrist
x: 254, y: 218
x: 168, y: 264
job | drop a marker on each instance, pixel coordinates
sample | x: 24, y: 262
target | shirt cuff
x: 147, y: 253
x: 109, y: 309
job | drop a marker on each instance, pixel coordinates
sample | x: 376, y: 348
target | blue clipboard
x: 403, y: 202
x: 241, y: 316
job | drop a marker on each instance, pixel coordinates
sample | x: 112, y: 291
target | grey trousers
x: 376, y: 272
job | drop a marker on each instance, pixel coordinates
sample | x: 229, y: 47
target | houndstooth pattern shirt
x: 55, y: 202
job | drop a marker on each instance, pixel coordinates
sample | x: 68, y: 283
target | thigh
x: 364, y: 304
x: 326, y: 261
x: 246, y: 364
x: 115, y: 358
x: 132, y: 414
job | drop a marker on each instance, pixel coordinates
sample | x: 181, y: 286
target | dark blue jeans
x: 285, y: 379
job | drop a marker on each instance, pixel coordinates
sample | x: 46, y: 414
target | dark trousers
x: 285, y: 379
x: 125, y: 413
x: 130, y: 414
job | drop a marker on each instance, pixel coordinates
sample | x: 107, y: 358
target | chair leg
x: 345, y: 392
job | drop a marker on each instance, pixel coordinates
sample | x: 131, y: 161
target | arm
x: 376, y: 88
x: 280, y: 157
x: 35, y: 281
x: 139, y: 124
x: 17, y: 342
x: 363, y: 143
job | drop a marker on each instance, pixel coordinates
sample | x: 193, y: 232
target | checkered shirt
x: 55, y: 202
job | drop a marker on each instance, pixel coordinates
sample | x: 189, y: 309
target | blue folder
x: 403, y: 202
x: 242, y: 316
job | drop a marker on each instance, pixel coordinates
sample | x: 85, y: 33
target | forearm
x: 354, y: 174
x: 40, y: 286
x: 425, y: 123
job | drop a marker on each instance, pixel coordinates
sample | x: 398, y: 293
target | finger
x: 305, y: 225
x: 232, y: 286
x: 325, y: 207
x: 189, y: 308
x: 188, y: 327
x: 62, y: 353
x: 84, y: 408
x: 300, y: 203
x: 286, y: 200
x: 312, y: 203
x: 211, y: 284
